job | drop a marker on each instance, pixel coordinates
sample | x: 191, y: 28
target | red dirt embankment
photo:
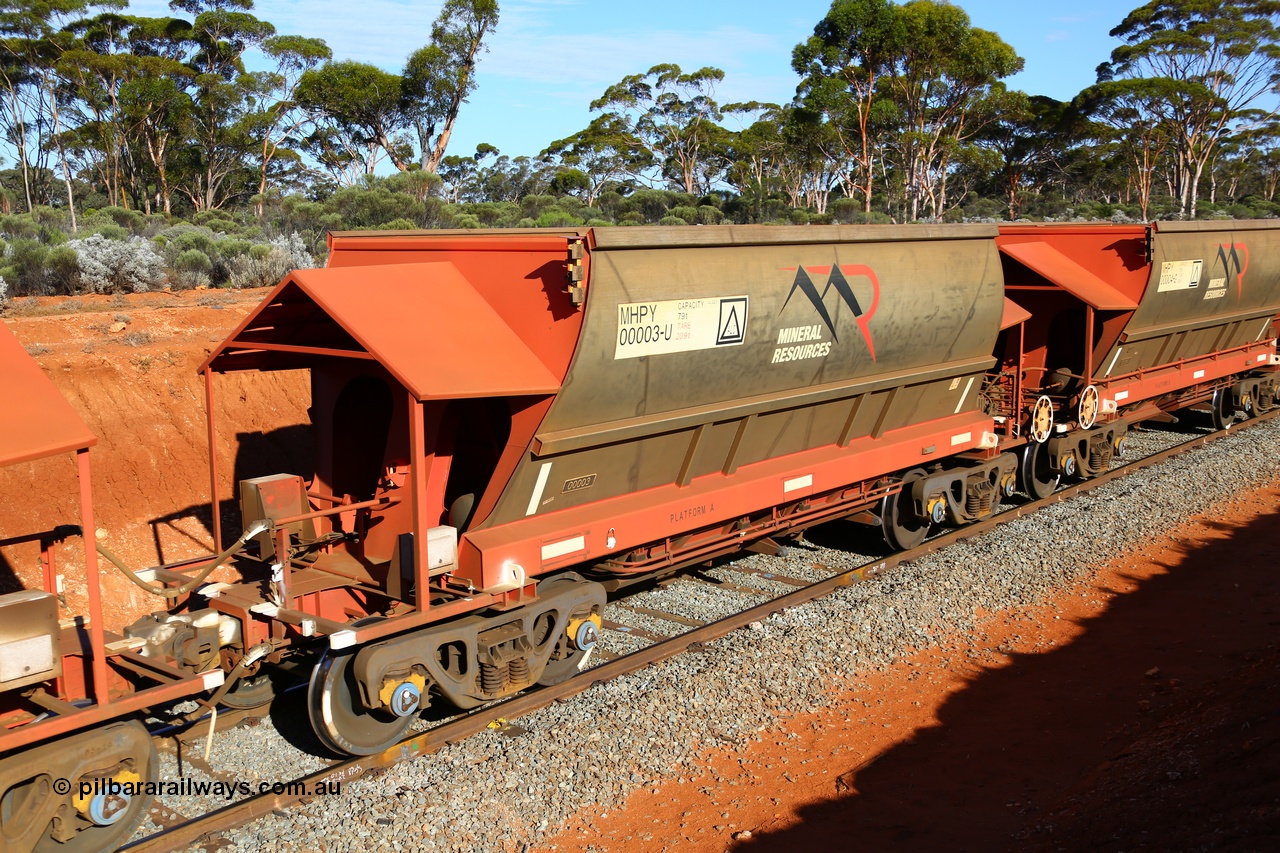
x: 128, y: 365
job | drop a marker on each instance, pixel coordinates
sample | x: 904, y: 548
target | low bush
x: 191, y: 269
x: 112, y: 266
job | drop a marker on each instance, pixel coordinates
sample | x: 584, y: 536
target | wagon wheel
x: 101, y: 821
x: 339, y: 718
x: 1222, y: 409
x: 571, y: 653
x: 902, y: 528
x: 251, y: 691
x: 1035, y: 477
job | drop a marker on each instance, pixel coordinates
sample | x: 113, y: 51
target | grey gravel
x: 494, y: 791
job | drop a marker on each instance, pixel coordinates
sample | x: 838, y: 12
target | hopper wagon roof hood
x: 36, y: 420
x: 1041, y: 257
x: 424, y: 322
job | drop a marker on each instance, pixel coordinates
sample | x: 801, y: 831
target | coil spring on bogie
x: 519, y: 671
x: 1099, y: 455
x: 491, y: 677
x: 979, y: 498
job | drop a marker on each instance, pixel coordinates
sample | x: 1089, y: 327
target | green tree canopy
x: 1215, y: 58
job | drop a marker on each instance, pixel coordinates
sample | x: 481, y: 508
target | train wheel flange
x: 1087, y: 411
x: 1222, y: 409
x: 338, y: 716
x: 1035, y: 472
x: 1042, y: 420
x: 902, y: 529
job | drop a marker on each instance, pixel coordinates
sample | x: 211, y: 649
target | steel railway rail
x: 181, y: 831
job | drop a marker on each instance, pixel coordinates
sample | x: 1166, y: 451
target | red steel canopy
x: 1013, y: 314
x: 423, y: 322
x: 1044, y: 259
x: 35, y: 419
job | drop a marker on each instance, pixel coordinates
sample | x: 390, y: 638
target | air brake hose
x: 196, y: 579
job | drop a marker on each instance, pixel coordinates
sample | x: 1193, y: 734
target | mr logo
x: 1233, y: 260
x: 838, y: 280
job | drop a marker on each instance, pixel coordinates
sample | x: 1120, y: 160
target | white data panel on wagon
x: 680, y: 325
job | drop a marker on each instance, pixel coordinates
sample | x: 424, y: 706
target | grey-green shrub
x: 25, y: 263
x: 265, y: 265
x: 110, y: 266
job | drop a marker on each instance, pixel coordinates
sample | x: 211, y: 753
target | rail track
x: 179, y: 830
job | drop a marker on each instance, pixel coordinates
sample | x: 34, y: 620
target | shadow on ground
x: 1008, y: 754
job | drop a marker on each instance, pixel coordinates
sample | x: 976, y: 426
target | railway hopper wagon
x: 71, y: 692
x: 508, y: 424
x: 1130, y: 323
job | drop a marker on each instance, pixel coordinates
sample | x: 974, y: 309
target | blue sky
x: 550, y: 58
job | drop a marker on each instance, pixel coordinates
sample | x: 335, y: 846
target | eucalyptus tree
x: 94, y: 71
x: 1138, y: 115
x: 1266, y: 144
x: 459, y: 175
x: 757, y: 154
x: 941, y: 74
x: 356, y: 114
x: 675, y: 116
x: 782, y: 151
x: 907, y: 84
x: 514, y: 178
x: 606, y: 152
x: 1214, y: 61
x: 158, y: 115
x: 1033, y: 136
x: 1236, y: 161
x: 841, y: 64
x: 275, y: 117
x: 439, y: 76
x: 17, y: 117
x: 33, y: 40
x: 215, y: 40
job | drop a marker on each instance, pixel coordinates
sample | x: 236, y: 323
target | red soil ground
x: 1138, y: 712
